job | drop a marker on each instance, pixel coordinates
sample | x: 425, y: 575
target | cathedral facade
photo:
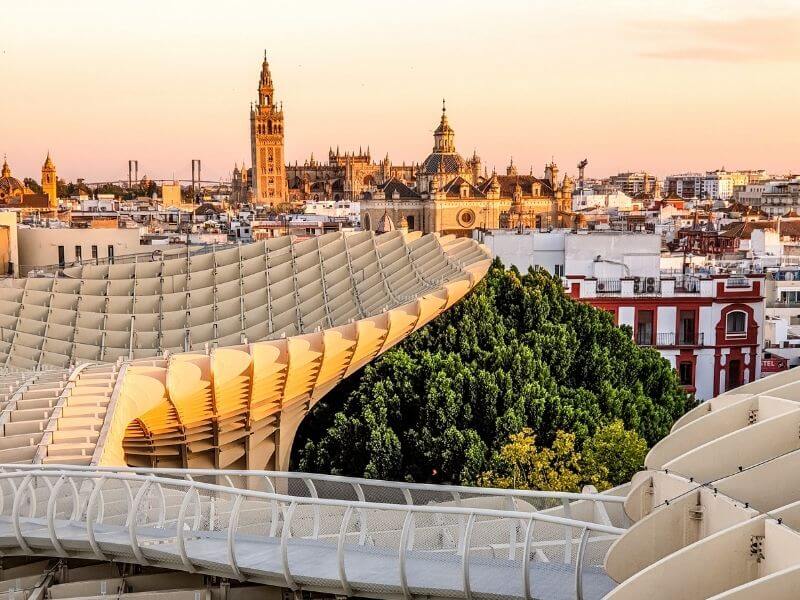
x: 444, y: 193
x: 266, y: 144
x: 450, y: 195
x: 346, y: 176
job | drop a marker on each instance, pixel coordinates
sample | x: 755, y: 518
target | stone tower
x: 266, y: 143
x: 49, y: 180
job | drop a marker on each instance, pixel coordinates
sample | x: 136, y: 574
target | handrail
x: 152, y: 487
x: 254, y: 494
x: 475, y: 491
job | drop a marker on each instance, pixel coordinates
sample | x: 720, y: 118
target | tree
x: 610, y: 457
x: 110, y: 188
x: 521, y: 465
x: 63, y: 188
x: 33, y: 185
x: 515, y: 353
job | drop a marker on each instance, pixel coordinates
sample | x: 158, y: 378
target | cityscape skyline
x: 423, y: 300
x: 185, y: 99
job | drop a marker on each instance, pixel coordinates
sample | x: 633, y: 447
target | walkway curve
x: 341, y: 547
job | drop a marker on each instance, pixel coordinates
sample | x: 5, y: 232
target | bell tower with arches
x: 266, y: 143
x: 49, y: 181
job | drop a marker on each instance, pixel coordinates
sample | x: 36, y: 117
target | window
x: 644, y: 328
x: 78, y: 253
x: 685, y: 373
x: 559, y: 270
x: 110, y: 253
x: 790, y: 297
x: 94, y: 252
x: 410, y: 221
x: 61, y: 261
x: 686, y: 333
x: 736, y: 324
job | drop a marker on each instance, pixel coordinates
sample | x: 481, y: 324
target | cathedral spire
x: 444, y: 134
x: 6, y: 169
x: 443, y: 122
x: 265, y: 87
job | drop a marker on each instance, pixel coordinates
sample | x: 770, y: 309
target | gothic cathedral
x: 266, y: 143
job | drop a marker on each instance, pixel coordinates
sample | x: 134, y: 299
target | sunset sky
x: 661, y: 86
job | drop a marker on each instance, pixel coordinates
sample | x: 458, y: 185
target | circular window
x: 466, y: 218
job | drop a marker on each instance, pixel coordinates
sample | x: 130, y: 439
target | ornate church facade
x: 346, y: 176
x: 450, y: 195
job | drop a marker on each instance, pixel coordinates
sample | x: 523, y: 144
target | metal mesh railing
x: 335, y: 487
x: 352, y: 547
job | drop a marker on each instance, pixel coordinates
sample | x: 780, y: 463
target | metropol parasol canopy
x: 210, y: 359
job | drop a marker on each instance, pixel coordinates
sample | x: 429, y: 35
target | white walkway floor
x: 313, y: 564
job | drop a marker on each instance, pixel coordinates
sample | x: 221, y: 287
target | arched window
x: 736, y: 324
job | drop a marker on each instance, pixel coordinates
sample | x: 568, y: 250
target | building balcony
x: 795, y: 304
x: 670, y: 340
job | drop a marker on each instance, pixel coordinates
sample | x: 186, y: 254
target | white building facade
x: 710, y: 328
x: 601, y: 254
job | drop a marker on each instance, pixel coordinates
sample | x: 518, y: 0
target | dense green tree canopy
x: 33, y: 185
x: 515, y: 353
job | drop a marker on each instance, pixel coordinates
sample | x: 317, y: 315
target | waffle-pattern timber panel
x: 211, y: 360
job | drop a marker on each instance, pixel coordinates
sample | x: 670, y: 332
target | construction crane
x: 581, y: 167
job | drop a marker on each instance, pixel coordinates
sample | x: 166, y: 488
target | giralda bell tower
x: 266, y: 143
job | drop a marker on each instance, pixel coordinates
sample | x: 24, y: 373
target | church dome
x: 444, y: 158
x: 10, y: 186
x: 451, y: 162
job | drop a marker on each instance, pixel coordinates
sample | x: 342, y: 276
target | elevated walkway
x: 457, y: 547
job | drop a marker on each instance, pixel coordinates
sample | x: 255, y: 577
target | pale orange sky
x: 650, y: 85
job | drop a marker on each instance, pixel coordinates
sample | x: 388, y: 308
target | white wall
x: 38, y: 246
x: 626, y: 315
x: 532, y: 248
x: 621, y: 254
x: 704, y: 374
x: 640, y: 253
x: 709, y: 317
x: 667, y: 319
x: 9, y: 220
x: 776, y: 331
